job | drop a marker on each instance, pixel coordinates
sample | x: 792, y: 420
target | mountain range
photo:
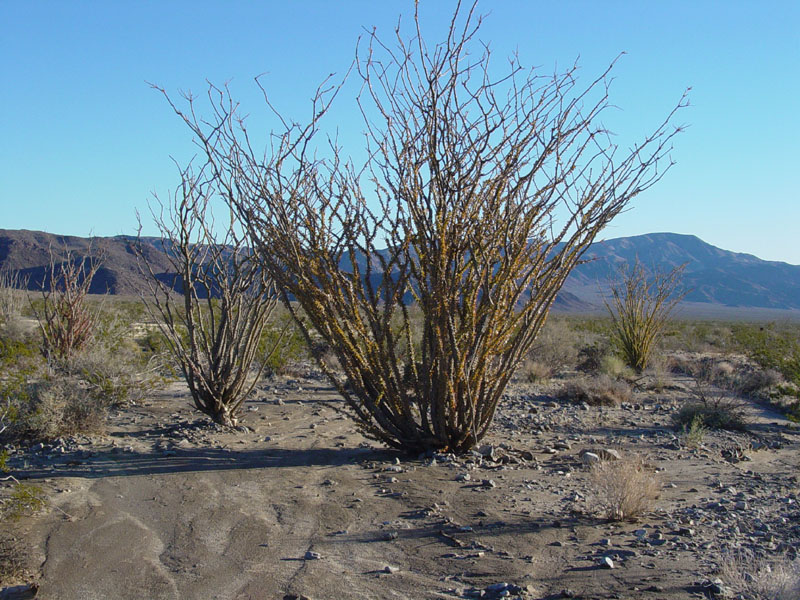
x: 718, y: 282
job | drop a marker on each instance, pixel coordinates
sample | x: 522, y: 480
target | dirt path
x: 166, y: 507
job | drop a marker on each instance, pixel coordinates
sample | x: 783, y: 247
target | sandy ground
x: 166, y: 506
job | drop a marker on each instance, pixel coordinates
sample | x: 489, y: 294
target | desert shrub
x: 213, y: 328
x: 754, y: 382
x: 640, y: 307
x: 66, y: 321
x: 484, y: 193
x: 596, y: 391
x: 692, y: 435
x: 714, y: 409
x: 557, y: 345
x: 12, y: 296
x: 13, y: 559
x: 771, y: 347
x: 281, y: 343
x: 59, y: 407
x: 624, y: 489
x: 21, y: 499
x: 533, y: 371
x: 613, y: 366
x: 756, y: 578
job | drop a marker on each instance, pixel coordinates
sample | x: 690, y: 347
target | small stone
x: 488, y: 483
x: 390, y: 569
x: 463, y: 477
x: 590, y: 458
x: 312, y: 555
x: 606, y: 563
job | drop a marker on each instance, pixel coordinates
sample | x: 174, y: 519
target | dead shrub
x: 533, y: 371
x: 757, y: 578
x: 757, y: 381
x: 12, y: 296
x: 624, y: 489
x: 713, y: 409
x: 66, y: 321
x: 60, y: 407
x: 596, y: 391
x: 557, y: 347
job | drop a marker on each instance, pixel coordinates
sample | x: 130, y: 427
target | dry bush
x: 613, y: 366
x: 484, y: 193
x: 557, y: 345
x: 13, y: 559
x: 756, y: 381
x: 624, y: 489
x: 658, y: 372
x: 757, y: 578
x: 215, y: 325
x: 66, y: 321
x: 640, y: 309
x: 714, y: 409
x: 59, y: 407
x: 12, y: 296
x: 596, y: 391
x: 533, y: 371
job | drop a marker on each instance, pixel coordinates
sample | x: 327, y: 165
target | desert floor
x: 165, y: 505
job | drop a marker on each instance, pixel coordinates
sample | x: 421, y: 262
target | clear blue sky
x: 85, y: 141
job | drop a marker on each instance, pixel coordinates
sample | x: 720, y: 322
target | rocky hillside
x: 715, y: 277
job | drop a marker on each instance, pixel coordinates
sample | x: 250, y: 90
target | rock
x: 606, y: 563
x: 715, y: 588
x: 463, y: 477
x: 488, y: 483
x: 390, y: 569
x: 590, y: 458
x: 312, y: 555
x: 608, y: 454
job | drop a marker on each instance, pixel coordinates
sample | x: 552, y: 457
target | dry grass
x: 12, y: 560
x: 760, y: 579
x: 596, y: 391
x: 624, y: 489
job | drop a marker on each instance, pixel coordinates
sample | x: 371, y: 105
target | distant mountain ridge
x: 715, y: 277
x: 712, y: 275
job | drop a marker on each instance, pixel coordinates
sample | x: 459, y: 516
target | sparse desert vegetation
x: 581, y: 469
x: 350, y: 380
